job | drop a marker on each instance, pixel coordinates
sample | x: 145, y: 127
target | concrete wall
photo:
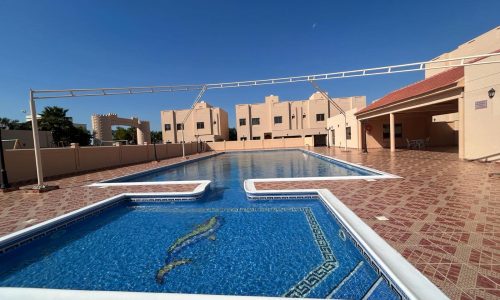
x: 61, y: 161
x: 25, y: 137
x: 256, y: 144
x: 482, y: 123
x: 483, y: 44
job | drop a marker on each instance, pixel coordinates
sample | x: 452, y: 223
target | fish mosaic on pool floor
x: 204, y: 230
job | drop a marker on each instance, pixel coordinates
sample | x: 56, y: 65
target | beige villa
x: 275, y: 119
x: 451, y: 108
x: 205, y: 123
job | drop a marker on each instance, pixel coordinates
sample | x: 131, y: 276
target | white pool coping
x: 55, y: 294
x: 200, y: 188
x: 413, y: 284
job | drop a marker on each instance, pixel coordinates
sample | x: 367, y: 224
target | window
x: 200, y: 125
x: 398, y: 129
x: 348, y: 133
x: 320, y: 117
x: 168, y: 127
x: 255, y: 121
x: 256, y: 138
x: 180, y: 127
x: 278, y: 120
x: 243, y: 122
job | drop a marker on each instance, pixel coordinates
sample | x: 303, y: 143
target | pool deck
x: 443, y: 214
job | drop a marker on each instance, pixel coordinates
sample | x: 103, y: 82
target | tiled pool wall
x: 329, y: 264
x: 368, y: 172
x: 43, y: 229
x: 129, y: 177
x: 315, y: 195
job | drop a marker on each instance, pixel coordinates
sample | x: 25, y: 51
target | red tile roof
x: 430, y: 84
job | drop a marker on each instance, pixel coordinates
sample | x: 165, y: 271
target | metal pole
x: 183, y: 143
x: 154, y: 147
x: 327, y: 137
x: 4, y: 181
x: 316, y: 86
x: 198, y: 98
x: 345, y: 129
x: 36, y: 142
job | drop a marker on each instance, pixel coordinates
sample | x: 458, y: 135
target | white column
x: 392, y: 133
x: 36, y: 142
x: 461, y: 127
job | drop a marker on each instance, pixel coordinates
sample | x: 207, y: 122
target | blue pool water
x: 289, y: 248
x: 254, y: 164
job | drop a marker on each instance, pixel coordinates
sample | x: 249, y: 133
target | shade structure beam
x: 94, y: 92
x: 393, y: 69
x: 198, y: 99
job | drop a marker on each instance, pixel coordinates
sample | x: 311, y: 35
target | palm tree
x: 54, y: 119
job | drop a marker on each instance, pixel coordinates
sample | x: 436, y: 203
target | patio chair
x: 409, y: 144
x: 427, y: 142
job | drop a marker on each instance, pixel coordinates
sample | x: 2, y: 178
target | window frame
x: 280, y: 118
x: 348, y: 133
x: 179, y: 126
x: 200, y: 123
x: 255, y: 121
x: 244, y: 122
x: 318, y: 117
x: 167, y: 127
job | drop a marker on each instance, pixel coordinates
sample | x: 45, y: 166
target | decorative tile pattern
x: 316, y: 276
x: 444, y: 214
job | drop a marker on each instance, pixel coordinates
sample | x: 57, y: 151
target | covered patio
x: 426, y: 115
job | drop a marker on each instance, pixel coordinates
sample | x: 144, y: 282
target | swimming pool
x: 220, y: 244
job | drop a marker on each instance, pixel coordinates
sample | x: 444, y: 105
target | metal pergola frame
x: 393, y: 69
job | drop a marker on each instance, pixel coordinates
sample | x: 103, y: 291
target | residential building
x: 343, y: 131
x: 452, y: 107
x: 275, y: 119
x: 204, y: 123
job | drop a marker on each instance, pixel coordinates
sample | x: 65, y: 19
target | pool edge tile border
x: 14, y: 293
x: 404, y: 276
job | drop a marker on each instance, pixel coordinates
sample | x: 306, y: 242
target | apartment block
x: 286, y: 119
x: 205, y: 123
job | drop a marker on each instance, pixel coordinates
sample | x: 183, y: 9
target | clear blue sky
x: 79, y: 44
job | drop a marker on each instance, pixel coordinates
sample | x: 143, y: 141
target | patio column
x: 364, y: 147
x: 461, y: 127
x: 392, y: 132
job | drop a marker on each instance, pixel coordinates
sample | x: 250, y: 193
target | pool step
x: 356, y: 284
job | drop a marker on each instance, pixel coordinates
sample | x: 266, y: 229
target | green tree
x: 156, y: 136
x: 129, y: 134
x: 232, y: 134
x: 54, y: 119
x: 14, y: 124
